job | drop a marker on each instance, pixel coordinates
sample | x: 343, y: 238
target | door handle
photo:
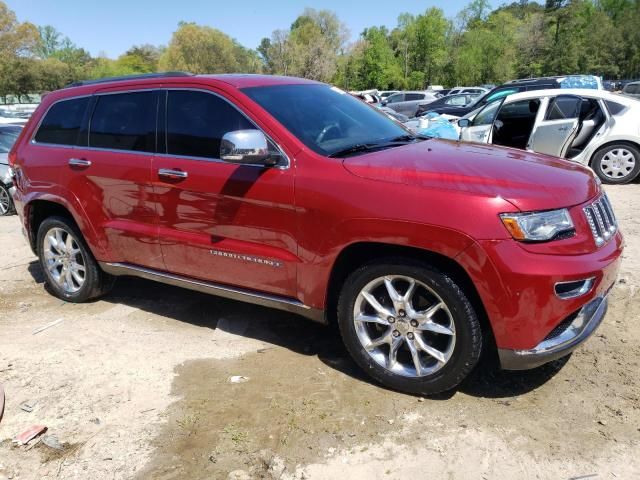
x: 79, y: 162
x: 172, y: 174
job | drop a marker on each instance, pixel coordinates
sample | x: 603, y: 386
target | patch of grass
x: 237, y: 436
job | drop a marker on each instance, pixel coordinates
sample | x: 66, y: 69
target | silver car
x: 8, y: 136
x: 632, y: 89
x: 408, y: 103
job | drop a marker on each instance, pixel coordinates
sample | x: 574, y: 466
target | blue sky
x: 112, y: 26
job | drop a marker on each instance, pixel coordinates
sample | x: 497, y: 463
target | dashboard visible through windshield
x: 328, y: 120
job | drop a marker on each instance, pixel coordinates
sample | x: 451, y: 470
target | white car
x: 593, y: 127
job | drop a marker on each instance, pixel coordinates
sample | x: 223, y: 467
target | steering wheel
x: 327, y: 129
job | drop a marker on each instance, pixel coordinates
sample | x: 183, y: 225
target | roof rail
x: 141, y: 76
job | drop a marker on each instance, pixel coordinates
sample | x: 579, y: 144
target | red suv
x: 293, y: 194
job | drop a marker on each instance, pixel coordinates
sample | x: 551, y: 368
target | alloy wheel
x: 617, y: 163
x: 5, y: 201
x: 404, y: 326
x: 63, y: 259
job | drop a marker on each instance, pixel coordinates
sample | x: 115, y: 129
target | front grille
x: 601, y: 220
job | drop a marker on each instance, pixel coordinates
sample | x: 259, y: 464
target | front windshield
x: 8, y: 137
x: 324, y: 118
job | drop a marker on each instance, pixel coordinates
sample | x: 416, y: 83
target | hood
x: 529, y: 181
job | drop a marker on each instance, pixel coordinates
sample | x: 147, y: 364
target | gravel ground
x: 136, y: 385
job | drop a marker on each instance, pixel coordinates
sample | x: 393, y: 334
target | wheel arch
x: 357, y: 254
x: 636, y: 145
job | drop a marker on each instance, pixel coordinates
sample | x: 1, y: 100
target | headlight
x: 537, y: 226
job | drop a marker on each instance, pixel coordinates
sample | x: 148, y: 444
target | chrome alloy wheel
x: 617, y: 163
x: 404, y: 326
x: 5, y: 201
x: 64, y: 260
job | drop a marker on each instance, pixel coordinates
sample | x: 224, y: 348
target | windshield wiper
x: 358, y: 147
x: 365, y: 147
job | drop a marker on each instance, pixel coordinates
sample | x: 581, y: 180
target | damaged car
x: 591, y: 127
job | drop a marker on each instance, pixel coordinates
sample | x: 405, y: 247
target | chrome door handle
x: 79, y: 162
x: 172, y: 174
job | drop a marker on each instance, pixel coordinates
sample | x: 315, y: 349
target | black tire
x: 7, y: 208
x: 596, y: 163
x: 468, y: 334
x: 96, y: 282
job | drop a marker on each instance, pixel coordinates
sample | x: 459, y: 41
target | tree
x: 198, y: 49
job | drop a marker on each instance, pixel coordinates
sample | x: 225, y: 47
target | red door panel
x: 228, y: 223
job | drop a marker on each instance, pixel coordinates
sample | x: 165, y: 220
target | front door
x: 479, y: 130
x: 221, y: 222
x: 555, y: 133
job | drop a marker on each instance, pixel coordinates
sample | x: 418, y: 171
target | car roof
x: 582, y: 92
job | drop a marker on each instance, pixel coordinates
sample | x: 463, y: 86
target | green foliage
x: 478, y: 46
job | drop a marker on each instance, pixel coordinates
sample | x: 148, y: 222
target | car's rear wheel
x: 617, y: 163
x: 409, y: 326
x: 71, y: 272
x: 6, y: 203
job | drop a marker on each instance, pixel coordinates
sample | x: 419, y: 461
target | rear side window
x: 197, y: 121
x: 414, y: 96
x: 615, y: 108
x: 124, y: 121
x: 564, y: 107
x: 61, y: 125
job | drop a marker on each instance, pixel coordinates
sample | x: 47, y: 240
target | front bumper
x: 587, y: 320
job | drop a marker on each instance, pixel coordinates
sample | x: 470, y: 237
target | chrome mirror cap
x: 246, y: 147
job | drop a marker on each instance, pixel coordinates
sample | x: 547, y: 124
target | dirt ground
x: 137, y: 385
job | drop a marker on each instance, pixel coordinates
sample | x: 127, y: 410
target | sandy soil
x: 136, y: 385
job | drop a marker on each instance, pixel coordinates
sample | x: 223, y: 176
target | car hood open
x: 529, y: 181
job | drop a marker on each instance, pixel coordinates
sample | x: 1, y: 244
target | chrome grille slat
x: 601, y: 220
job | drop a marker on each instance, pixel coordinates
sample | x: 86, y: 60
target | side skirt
x: 233, y: 293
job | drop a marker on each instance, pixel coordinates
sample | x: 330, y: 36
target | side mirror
x: 384, y: 103
x: 247, y: 147
x: 464, y: 122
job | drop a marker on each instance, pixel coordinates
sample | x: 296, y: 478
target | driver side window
x: 487, y: 114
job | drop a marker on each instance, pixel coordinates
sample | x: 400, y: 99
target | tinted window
x: 615, y: 108
x: 414, y: 96
x: 396, y: 97
x: 124, y: 121
x: 457, y: 101
x: 8, y: 136
x: 325, y: 118
x: 564, y: 107
x: 197, y: 121
x: 61, y: 124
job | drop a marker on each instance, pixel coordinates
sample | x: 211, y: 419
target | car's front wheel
x: 71, y: 272
x: 617, y: 163
x: 409, y: 326
x: 6, y: 203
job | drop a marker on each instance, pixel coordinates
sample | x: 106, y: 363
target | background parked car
x: 516, y: 86
x: 632, y: 89
x: 461, y: 100
x: 592, y: 127
x: 8, y: 136
x: 472, y: 90
x: 408, y: 103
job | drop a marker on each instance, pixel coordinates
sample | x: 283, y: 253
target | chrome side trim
x: 586, y: 322
x: 233, y: 293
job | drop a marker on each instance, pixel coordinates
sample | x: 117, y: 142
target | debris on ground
x: 238, y: 379
x: 29, y: 434
x: 52, y: 442
x: 48, y: 325
x: 28, y: 406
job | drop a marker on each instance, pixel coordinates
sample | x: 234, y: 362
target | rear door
x: 221, y: 222
x: 411, y: 102
x: 110, y: 174
x: 395, y: 101
x: 479, y: 130
x: 554, y: 134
